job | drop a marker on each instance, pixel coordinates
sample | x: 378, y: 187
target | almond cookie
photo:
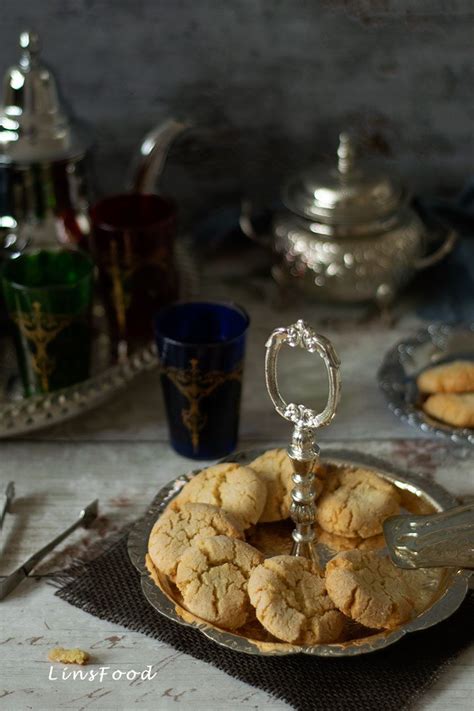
x: 292, y: 603
x: 455, y: 377
x: 355, y: 503
x: 177, y: 530
x: 212, y: 577
x: 341, y: 543
x: 238, y: 490
x: 456, y: 410
x: 371, y: 590
x: 274, y: 466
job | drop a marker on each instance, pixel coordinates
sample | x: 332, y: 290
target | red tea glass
x: 132, y: 239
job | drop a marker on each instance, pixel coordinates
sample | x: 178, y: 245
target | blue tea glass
x: 201, y: 346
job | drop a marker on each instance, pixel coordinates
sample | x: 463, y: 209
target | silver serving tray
x: 454, y: 586
x: 20, y: 415
x: 401, y: 365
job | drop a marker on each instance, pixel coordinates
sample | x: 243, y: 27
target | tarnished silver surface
x: 441, y: 540
x: 401, y: 365
x: 349, y: 234
x: 303, y: 451
x: 451, y: 596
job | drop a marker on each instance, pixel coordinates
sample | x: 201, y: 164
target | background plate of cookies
x: 429, y: 381
x: 213, y: 552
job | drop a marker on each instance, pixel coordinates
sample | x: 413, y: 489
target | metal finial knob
x: 31, y: 45
x: 345, y: 153
x: 303, y: 452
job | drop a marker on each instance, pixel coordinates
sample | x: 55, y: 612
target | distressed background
x: 269, y: 83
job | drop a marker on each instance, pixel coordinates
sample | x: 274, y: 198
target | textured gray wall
x: 269, y: 83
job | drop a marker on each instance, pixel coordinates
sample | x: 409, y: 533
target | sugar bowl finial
x: 303, y: 451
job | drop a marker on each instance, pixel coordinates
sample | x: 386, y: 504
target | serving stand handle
x: 303, y: 451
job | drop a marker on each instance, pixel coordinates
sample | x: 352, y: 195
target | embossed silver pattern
x: 352, y: 269
x: 349, y: 233
x: 403, y: 362
x: 448, y: 602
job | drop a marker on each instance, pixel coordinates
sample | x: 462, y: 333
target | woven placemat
x: 109, y: 588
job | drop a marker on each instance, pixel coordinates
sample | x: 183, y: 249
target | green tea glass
x: 48, y: 297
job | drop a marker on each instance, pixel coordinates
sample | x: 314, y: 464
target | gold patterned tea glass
x: 48, y: 296
x: 132, y: 241
x: 201, y: 346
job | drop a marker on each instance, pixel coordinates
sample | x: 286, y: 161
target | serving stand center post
x: 303, y: 450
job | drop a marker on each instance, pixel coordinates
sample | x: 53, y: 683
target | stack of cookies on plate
x: 449, y: 391
x: 216, y: 543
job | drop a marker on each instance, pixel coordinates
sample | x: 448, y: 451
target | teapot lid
x: 345, y: 195
x: 33, y: 124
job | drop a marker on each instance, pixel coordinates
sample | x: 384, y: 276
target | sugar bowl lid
x: 346, y: 194
x: 33, y: 124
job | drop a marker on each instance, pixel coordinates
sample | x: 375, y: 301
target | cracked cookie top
x: 371, y: 590
x: 337, y: 544
x: 176, y: 530
x: 454, y: 377
x: 355, y: 503
x: 235, y: 489
x: 212, y: 577
x: 292, y: 603
x: 275, y: 468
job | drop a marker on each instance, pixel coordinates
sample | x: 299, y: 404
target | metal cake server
x: 7, y: 502
x: 439, y: 540
x: 86, y: 518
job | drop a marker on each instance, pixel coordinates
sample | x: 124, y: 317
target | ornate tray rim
x: 395, y: 384
x: 34, y: 413
x: 445, y: 606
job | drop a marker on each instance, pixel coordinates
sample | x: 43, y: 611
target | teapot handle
x: 443, y: 250
x: 149, y: 162
x: 246, y: 222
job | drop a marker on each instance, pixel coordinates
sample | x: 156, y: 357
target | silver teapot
x: 45, y: 187
x: 348, y: 234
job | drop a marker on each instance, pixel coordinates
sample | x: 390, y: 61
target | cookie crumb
x: 68, y: 656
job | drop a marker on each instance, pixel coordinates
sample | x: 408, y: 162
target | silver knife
x: 7, y: 502
x: 86, y: 518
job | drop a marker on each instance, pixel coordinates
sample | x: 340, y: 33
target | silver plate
x: 19, y: 415
x: 453, y: 591
x: 403, y: 362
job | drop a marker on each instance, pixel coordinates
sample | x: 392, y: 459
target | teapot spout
x: 151, y: 158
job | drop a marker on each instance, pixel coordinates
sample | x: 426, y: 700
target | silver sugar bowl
x: 349, y: 234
